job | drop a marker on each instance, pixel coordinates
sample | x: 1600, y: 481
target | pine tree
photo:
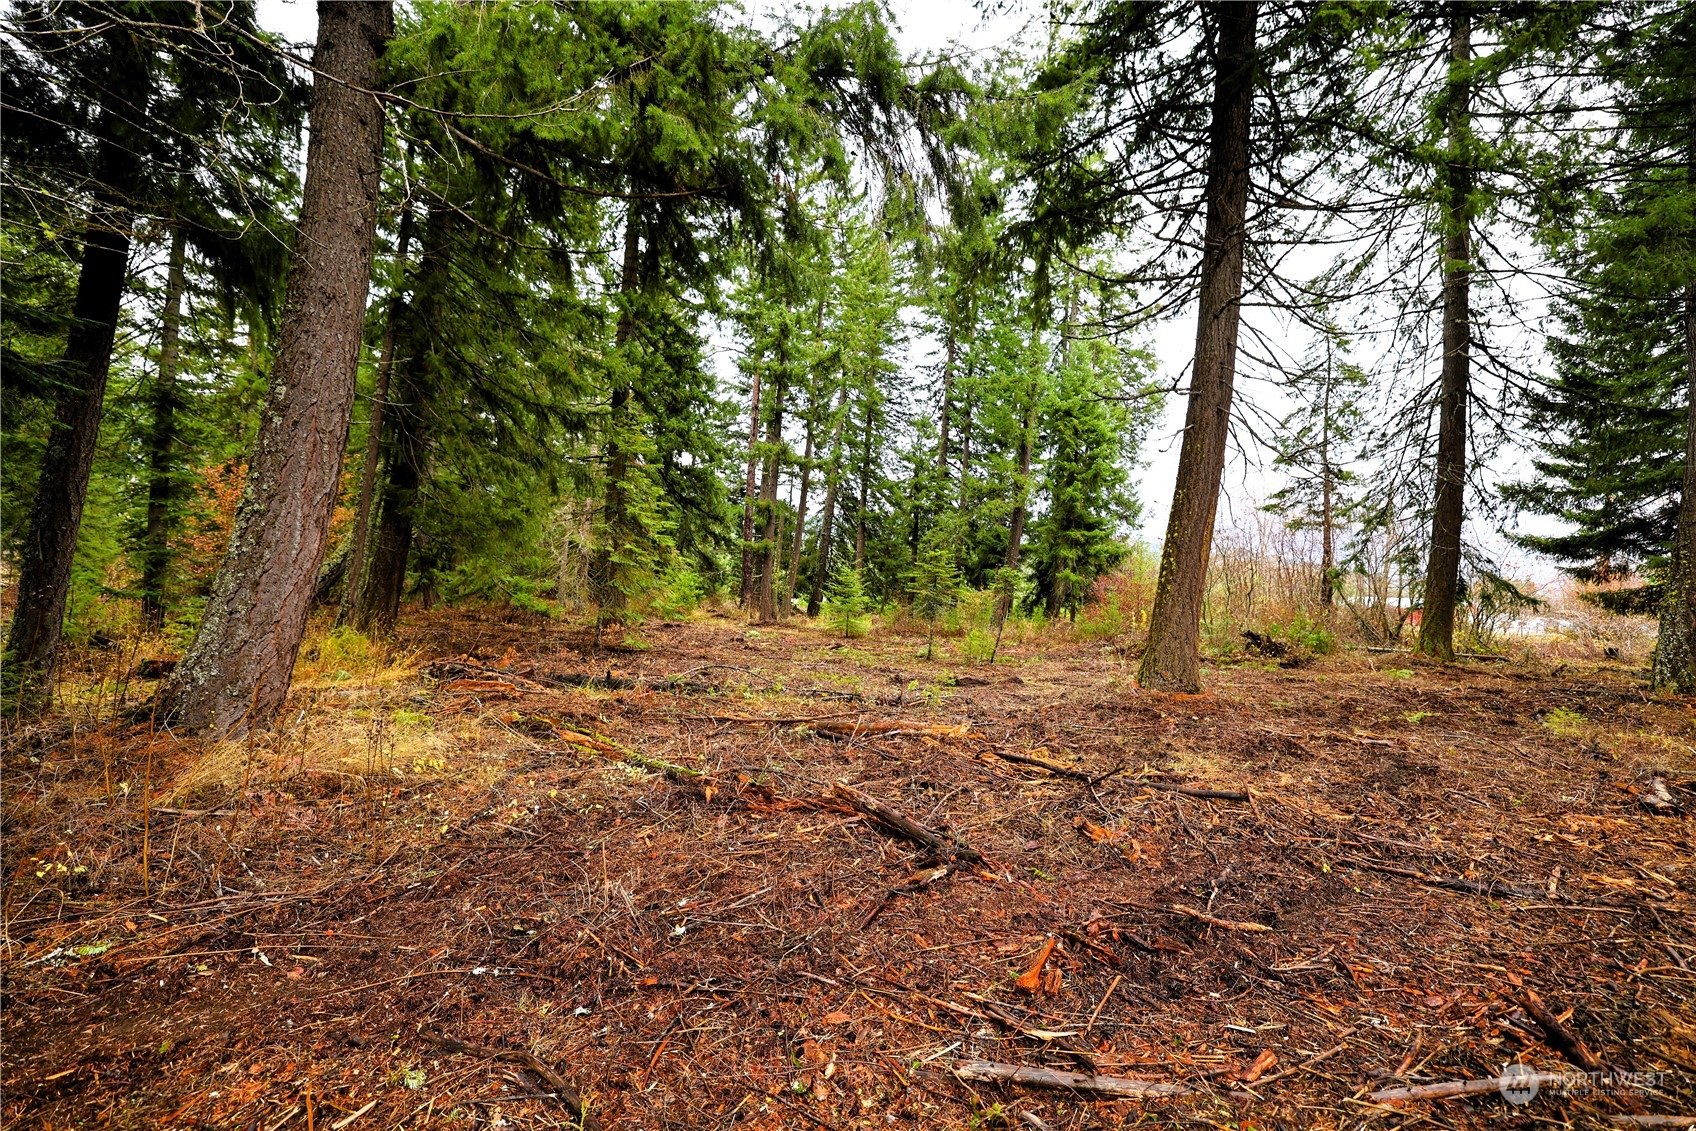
x: 934, y: 582
x: 1311, y: 448
x: 847, y: 603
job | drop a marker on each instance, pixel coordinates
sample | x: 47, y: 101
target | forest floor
x: 460, y: 851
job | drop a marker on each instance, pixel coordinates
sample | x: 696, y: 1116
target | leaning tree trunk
x: 236, y: 673
x: 162, y: 440
x: 55, y: 516
x: 353, y: 590
x: 1442, y: 570
x: 1172, y: 659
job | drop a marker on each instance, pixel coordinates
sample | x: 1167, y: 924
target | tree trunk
x: 827, y: 516
x: 162, y: 440
x: 748, y: 493
x: 768, y: 500
x: 801, y: 509
x: 947, y: 404
x: 1442, y: 573
x: 865, y: 492
x: 1675, y: 644
x: 1016, y: 529
x: 55, y: 516
x: 609, y: 597
x: 391, y: 544
x: 236, y: 673
x: 1172, y: 659
x: 1327, y: 537
x: 354, y: 587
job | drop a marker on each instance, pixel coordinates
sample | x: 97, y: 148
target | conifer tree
x: 934, y: 582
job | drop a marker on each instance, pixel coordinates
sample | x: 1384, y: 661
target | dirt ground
x: 654, y: 890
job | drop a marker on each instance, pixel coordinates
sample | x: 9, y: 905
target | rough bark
x: 1675, y: 644
x: 55, y: 517
x: 947, y: 404
x: 1442, y: 571
x: 354, y: 590
x: 1172, y: 659
x: 236, y: 673
x: 162, y: 442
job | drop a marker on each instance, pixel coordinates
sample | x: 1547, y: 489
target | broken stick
x: 560, y: 1085
x: 1227, y: 924
x: 1191, y: 791
x: 899, y: 823
x: 1559, y: 1035
x: 1450, y: 1088
x: 1119, y: 1087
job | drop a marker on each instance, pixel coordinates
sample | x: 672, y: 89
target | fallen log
x: 1117, y: 1087
x: 897, y: 822
x: 562, y: 1088
x: 864, y: 729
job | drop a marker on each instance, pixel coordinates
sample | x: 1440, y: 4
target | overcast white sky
x: 930, y: 26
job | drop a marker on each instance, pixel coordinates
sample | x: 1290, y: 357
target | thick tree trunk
x: 1675, y: 644
x: 236, y: 673
x: 768, y: 503
x: 827, y: 515
x: 1442, y: 572
x: 162, y: 442
x: 1172, y: 659
x: 947, y: 404
x: 55, y: 516
x: 354, y: 588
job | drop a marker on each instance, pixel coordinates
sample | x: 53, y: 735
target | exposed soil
x: 729, y: 945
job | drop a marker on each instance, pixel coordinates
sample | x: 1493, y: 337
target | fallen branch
x: 1191, y: 791
x: 862, y: 729
x: 1309, y: 1062
x: 600, y: 744
x: 1027, y: 760
x: 897, y: 822
x: 1227, y: 924
x: 1119, y: 1087
x: 1653, y: 1120
x: 1450, y: 1088
x: 560, y: 1085
x: 1474, y: 887
x: 1559, y: 1035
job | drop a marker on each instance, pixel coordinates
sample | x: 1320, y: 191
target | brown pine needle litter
x: 483, y: 870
